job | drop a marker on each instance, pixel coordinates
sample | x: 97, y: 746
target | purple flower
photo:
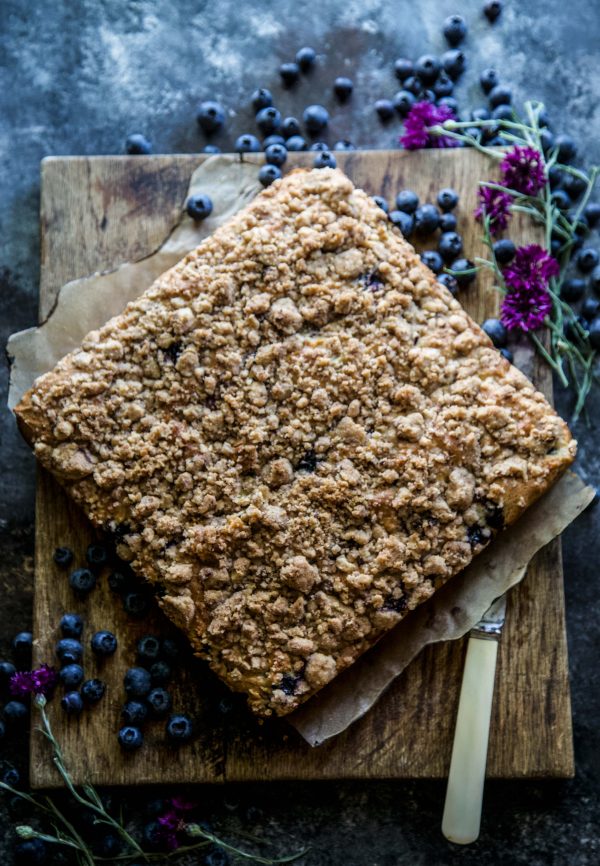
x: 528, y: 302
x: 180, y: 804
x: 523, y: 170
x: 525, y: 310
x: 496, y: 205
x: 170, y: 825
x: 40, y: 681
x: 423, y: 115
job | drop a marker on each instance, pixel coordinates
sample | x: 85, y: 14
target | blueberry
x: 450, y: 246
x: 217, y: 857
x: 289, y: 73
x: 587, y: 259
x: 69, y: 650
x: 402, y: 220
x: 169, y: 650
x: 246, y: 143
x: 403, y: 68
x: 581, y: 227
x: 428, y: 96
x: 268, y: 173
x: 454, y: 29
x: 273, y: 139
x: 447, y: 199
x: 22, y: 644
x: 104, y: 643
x: 427, y: 219
x: 454, y: 63
x: 130, y: 738
x: 448, y: 222
x: 325, y: 159
x: 290, y: 126
x: 31, y: 852
x: 414, y: 85
x: 506, y: 353
x: 71, y: 676
x: 407, y: 201
x: 460, y: 266
x: 567, y: 149
x: 488, y: 79
x: 384, y: 109
x: 148, y: 649
x: 305, y: 58
x: 179, y: 728
x: 276, y: 154
x: 134, y: 713
x: 92, y: 690
x: 344, y: 144
x: 136, y: 604
x: 594, y: 334
x: 503, y: 112
x: 96, y: 555
x: 403, y: 101
x: 572, y: 290
x: 496, y: 332
x: 433, y: 260
x: 595, y: 280
x: 154, y: 836
x: 492, y: 9
x: 482, y: 113
x: 160, y: 672
x: 592, y: 213
x: 107, y: 845
x: 137, y: 145
x: 450, y: 102
x: 199, y: 206
x: 295, y: 143
x: 63, y: 557
x: 561, y: 199
x: 160, y: 702
x: 575, y: 185
x: 315, y: 118
x: 261, y: 98
x: 427, y: 68
x: 16, y: 712
x: 72, y: 703
x: 155, y: 807
x: 381, y: 202
x: 449, y: 282
x: 210, y: 116
x: 443, y: 86
x: 137, y: 682
x: 546, y: 140
x: 590, y: 308
x: 226, y: 705
x: 500, y: 95
x: 7, y: 670
x: 11, y: 777
x: 319, y: 145
x: 268, y: 120
x: 573, y: 328
x: 556, y: 177
x: 82, y: 580
x: 504, y: 251
x: 343, y: 87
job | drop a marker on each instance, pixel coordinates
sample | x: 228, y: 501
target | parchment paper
x: 86, y: 304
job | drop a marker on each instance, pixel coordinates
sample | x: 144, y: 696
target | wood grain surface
x: 98, y: 212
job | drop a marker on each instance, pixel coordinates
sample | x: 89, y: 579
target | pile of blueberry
x: 69, y: 651
x: 15, y: 713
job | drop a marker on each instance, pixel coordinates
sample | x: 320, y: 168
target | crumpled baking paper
x: 84, y: 305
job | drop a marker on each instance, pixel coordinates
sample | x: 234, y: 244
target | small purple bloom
x: 496, y: 205
x: 170, y: 825
x: 530, y: 269
x: 525, y: 310
x: 421, y: 116
x: 523, y: 170
x: 40, y: 681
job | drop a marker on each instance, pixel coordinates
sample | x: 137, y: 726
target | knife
x: 464, y: 794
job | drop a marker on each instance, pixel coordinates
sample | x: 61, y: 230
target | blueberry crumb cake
x: 297, y: 435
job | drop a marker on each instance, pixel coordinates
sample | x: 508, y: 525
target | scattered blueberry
x: 289, y: 73
x: 450, y: 102
x: 454, y: 63
x: 319, y: 145
x: 460, y: 266
x: 343, y: 87
x: 427, y: 68
x: 72, y: 703
x: 481, y: 113
x: 587, y: 259
x: 555, y: 177
x: 210, y: 116
x: 492, y: 10
x: 217, y: 857
x: 504, y: 251
x: 503, y: 112
x: 414, y: 85
x: 315, y: 118
x: 2, y: 730
x: 104, y: 643
x: 433, y: 260
x: 496, y: 332
x: 450, y: 246
x: 448, y: 222
x: 305, y: 58
x: 107, y: 845
x: 575, y: 185
x: 572, y: 290
x: 71, y: 676
x: 403, y: 68
x: 268, y: 173
x: 290, y: 126
x: 31, y: 852
x: 199, y: 206
x: 261, y: 98
x: 246, y: 143
x: 344, y: 144
x: 590, y: 308
x: 427, y: 219
x: 119, y: 581
x: 595, y: 280
x: 179, y: 729
x: 402, y: 220
x: 324, y: 159
x: 22, y: 644
x: 273, y: 139
x: 506, y: 353
x: 443, y: 86
x: 7, y: 670
x: 561, y: 199
x: 69, y: 650
x: 160, y: 702
x: 137, y: 682
x: 592, y: 213
x: 488, y: 79
x: 381, y: 202
x: 454, y: 29
x: 155, y: 807
x: 500, y: 95
x: 169, y: 649
x: 449, y: 282
x: 268, y: 120
x: 567, y: 149
x: 148, y: 649
x: 63, y: 557
x: 93, y: 690
x: 211, y: 149
x: 11, y: 777
x: 82, y: 580
x: 385, y: 109
x: 594, y: 334
x: 154, y: 836
x: 276, y: 154
x: 15, y: 711
x: 137, y: 145
x: 403, y: 102
x: 130, y: 738
x: 546, y: 140
x: 134, y: 713
x: 407, y: 201
x: 447, y: 199
x: 136, y: 604
x: 160, y: 672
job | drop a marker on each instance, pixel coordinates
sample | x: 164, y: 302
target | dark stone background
x: 76, y: 78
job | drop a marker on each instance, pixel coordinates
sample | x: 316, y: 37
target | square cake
x: 297, y: 435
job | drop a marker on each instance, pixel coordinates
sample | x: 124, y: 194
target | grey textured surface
x: 76, y: 78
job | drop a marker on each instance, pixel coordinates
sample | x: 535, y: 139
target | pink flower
x: 423, y: 115
x: 495, y: 204
x: 523, y: 170
x: 40, y: 681
x: 527, y: 302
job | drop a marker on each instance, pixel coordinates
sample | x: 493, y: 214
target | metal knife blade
x: 491, y: 623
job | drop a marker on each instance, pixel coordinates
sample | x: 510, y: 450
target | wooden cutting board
x: 98, y: 212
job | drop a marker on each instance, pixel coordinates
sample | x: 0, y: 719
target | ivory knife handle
x: 464, y: 794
